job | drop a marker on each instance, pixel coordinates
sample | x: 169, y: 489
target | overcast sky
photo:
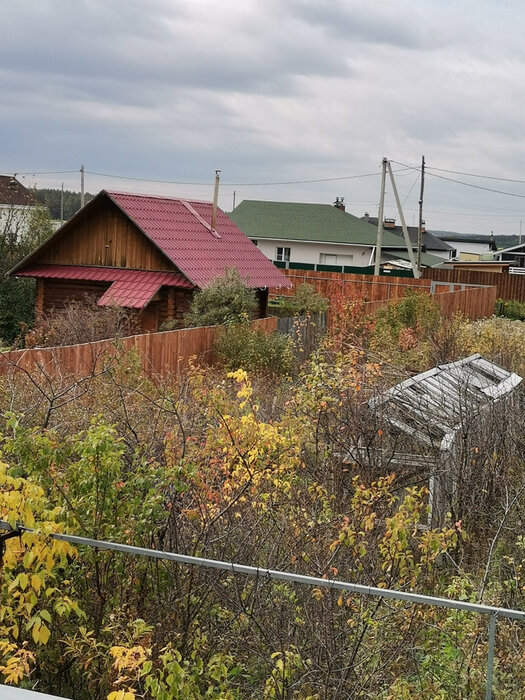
x: 272, y: 91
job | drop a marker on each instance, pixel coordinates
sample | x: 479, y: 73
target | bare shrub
x: 82, y: 321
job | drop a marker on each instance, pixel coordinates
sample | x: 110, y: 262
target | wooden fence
x: 365, y: 287
x: 472, y: 302
x: 160, y: 353
x: 508, y: 286
x: 170, y: 351
x: 373, y: 292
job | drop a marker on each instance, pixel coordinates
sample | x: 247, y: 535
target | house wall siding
x: 310, y: 252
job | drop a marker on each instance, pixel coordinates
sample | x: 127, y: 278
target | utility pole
x: 215, y: 198
x: 81, y: 186
x: 403, y: 224
x: 420, y: 227
x: 62, y: 205
x: 521, y: 228
x: 380, y: 219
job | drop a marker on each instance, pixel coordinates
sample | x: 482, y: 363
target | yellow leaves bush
x: 29, y: 572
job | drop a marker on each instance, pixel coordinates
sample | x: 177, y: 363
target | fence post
x: 490, y: 657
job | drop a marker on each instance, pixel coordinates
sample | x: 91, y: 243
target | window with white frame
x: 332, y: 259
x: 282, y: 254
x: 327, y: 259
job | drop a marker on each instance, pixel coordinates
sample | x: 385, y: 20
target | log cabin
x: 145, y: 253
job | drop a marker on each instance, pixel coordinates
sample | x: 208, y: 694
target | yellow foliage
x: 29, y: 571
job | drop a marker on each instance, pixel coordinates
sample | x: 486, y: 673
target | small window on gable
x: 282, y: 254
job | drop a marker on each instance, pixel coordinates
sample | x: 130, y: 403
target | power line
x: 233, y: 184
x: 483, y: 177
x: 468, y: 184
x: 478, y: 187
x: 48, y: 172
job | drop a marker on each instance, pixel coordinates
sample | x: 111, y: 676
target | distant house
x: 430, y: 244
x: 16, y: 205
x: 144, y: 253
x: 469, y: 247
x: 515, y: 256
x: 315, y: 236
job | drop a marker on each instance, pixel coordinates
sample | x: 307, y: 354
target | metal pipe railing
x: 260, y: 572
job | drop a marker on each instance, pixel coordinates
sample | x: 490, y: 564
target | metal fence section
x: 290, y: 577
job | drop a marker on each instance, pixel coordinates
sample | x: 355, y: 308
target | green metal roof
x: 318, y: 223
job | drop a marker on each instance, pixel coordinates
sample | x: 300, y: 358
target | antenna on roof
x: 215, y: 198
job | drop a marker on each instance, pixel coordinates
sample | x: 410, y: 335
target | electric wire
x: 46, y: 172
x: 234, y: 184
x: 483, y: 177
x: 466, y: 184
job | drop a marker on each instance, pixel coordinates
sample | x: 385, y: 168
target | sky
x: 293, y: 100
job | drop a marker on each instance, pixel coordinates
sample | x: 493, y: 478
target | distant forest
x: 51, y: 199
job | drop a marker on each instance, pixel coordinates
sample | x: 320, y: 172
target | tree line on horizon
x: 51, y: 198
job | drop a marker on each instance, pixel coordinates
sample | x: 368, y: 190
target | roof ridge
x: 120, y: 193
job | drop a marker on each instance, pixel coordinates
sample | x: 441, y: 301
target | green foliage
x: 513, y: 309
x: 225, y: 301
x: 305, y: 301
x: 499, y: 339
x: 20, y: 234
x: 224, y: 466
x: 402, y: 330
x: 240, y: 346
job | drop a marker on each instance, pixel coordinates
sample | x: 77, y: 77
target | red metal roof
x: 134, y: 294
x: 131, y: 288
x: 181, y: 230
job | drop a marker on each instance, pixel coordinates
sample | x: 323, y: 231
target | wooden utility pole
x: 81, y: 186
x: 403, y: 224
x: 215, y: 198
x: 62, y: 205
x: 380, y: 219
x: 420, y: 227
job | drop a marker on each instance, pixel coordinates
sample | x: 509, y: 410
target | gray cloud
x: 270, y: 91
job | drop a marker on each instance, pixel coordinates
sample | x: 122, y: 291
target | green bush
x: 242, y: 347
x: 226, y: 301
x: 306, y: 301
x: 512, y: 309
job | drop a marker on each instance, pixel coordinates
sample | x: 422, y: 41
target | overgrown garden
x: 252, y: 464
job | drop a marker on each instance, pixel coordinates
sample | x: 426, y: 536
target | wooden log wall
x: 161, y: 354
x: 509, y: 287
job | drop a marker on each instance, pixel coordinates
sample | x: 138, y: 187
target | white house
x: 316, y: 236
x: 17, y: 204
x: 469, y: 247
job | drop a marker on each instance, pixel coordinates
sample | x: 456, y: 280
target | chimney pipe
x: 339, y: 203
x: 215, y: 198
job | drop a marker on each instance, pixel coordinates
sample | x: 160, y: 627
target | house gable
x: 102, y: 235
